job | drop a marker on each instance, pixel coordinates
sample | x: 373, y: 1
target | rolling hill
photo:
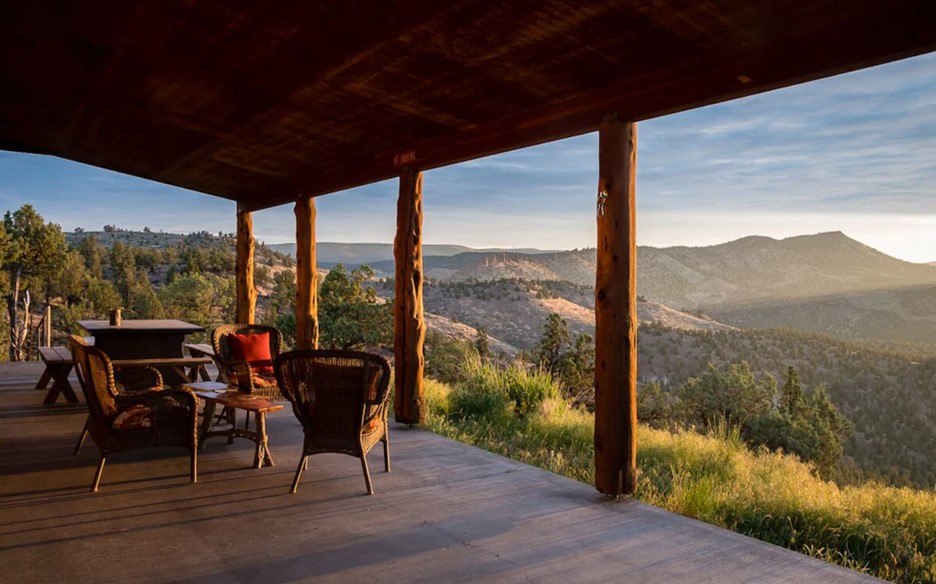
x: 514, y: 311
x: 825, y: 283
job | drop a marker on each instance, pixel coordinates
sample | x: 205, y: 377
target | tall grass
x: 885, y: 531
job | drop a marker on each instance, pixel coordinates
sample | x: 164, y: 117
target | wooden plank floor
x: 446, y: 513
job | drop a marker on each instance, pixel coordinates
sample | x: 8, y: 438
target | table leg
x: 263, y: 456
x: 206, y: 422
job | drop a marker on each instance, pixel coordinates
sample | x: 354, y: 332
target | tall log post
x: 409, y: 326
x: 244, y: 268
x: 616, y: 312
x: 47, y: 325
x: 307, y: 326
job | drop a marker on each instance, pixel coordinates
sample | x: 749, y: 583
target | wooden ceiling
x: 263, y: 101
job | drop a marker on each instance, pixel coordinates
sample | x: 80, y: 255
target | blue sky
x: 853, y: 153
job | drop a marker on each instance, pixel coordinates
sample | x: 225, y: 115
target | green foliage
x: 188, y: 298
x: 34, y: 249
x: 286, y: 323
x: 482, y: 343
x: 577, y: 368
x: 791, y: 400
x: 280, y: 309
x: 814, y: 430
x: 655, y: 406
x: 888, y: 532
x: 732, y: 395
x: 33, y: 254
x: 570, y: 359
x: 490, y: 389
x: 445, y: 359
x: 350, y: 315
x: 887, y: 396
x: 553, y: 339
x: 204, y: 299
x: 262, y: 277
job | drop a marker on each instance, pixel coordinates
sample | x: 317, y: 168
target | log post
x: 409, y: 327
x: 307, y: 327
x: 616, y: 311
x: 47, y: 325
x: 244, y: 269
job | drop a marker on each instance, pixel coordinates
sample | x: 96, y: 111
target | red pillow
x: 253, y: 348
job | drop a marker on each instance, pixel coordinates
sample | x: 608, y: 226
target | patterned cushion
x: 370, y: 426
x: 136, y: 417
x: 259, y: 379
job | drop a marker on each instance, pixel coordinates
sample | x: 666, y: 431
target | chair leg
x: 386, y: 452
x: 84, y: 434
x: 194, y: 465
x: 370, y: 487
x: 100, y: 471
x: 303, y: 464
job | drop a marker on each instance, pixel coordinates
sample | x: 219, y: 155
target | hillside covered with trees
x: 887, y: 395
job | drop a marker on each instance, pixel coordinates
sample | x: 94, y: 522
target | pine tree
x: 791, y: 401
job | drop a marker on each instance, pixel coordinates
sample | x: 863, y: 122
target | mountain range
x: 826, y: 283
x: 328, y: 254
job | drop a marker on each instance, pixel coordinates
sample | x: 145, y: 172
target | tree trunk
x: 616, y: 312
x: 12, y: 309
x: 244, y: 269
x: 307, y: 326
x: 409, y: 326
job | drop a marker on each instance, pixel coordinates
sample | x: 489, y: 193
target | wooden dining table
x: 143, y: 339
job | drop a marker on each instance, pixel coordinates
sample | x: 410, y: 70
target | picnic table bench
x: 203, y: 350
x: 58, y: 362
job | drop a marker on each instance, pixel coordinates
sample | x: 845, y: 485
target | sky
x: 854, y: 153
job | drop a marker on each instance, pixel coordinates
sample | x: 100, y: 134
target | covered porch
x: 446, y: 513
x: 267, y: 106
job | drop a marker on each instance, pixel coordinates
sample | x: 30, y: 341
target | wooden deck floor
x: 447, y: 513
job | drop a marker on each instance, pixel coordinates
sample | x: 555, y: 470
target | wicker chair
x: 239, y: 373
x: 169, y: 417
x: 126, y: 380
x: 342, y: 400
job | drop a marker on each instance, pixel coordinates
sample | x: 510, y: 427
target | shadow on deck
x: 447, y: 513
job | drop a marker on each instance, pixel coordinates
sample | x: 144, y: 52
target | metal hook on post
x: 602, y: 198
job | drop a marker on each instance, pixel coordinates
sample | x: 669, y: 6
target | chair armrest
x: 242, y: 372
x: 137, y: 378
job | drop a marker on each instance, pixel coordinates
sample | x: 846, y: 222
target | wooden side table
x: 215, y: 393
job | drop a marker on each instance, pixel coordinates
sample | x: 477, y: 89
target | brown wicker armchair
x: 132, y: 420
x: 342, y: 400
x: 126, y: 380
x: 239, y: 373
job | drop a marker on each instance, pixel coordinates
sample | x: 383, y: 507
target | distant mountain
x: 745, y: 270
x: 826, y: 283
x: 761, y: 268
x: 327, y: 254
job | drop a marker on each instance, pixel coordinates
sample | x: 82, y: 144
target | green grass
x: 885, y: 531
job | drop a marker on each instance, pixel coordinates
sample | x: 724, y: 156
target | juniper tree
x: 32, y: 252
